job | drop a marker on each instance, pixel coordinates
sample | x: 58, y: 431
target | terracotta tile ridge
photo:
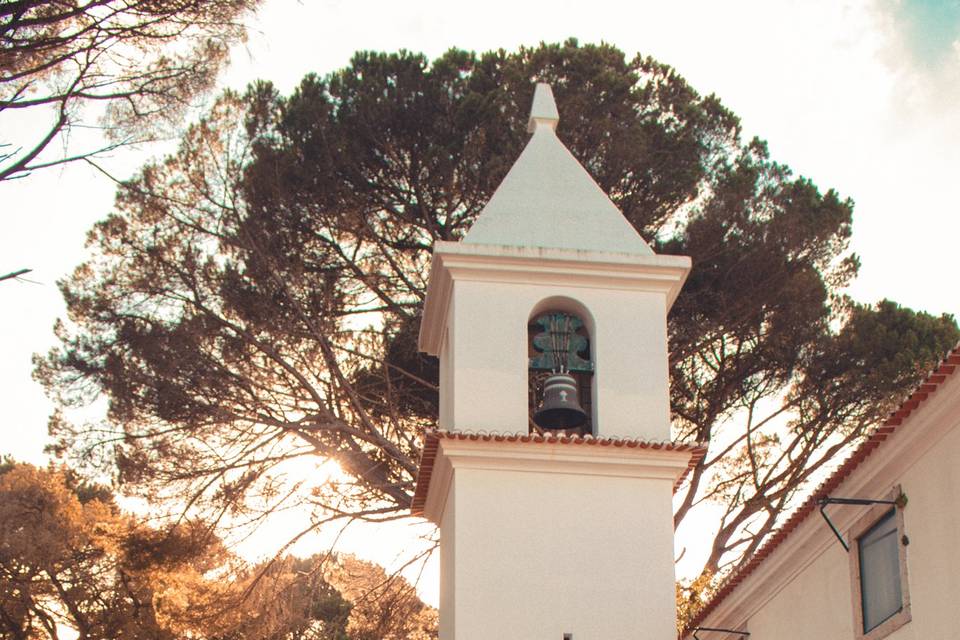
x: 562, y: 438
x: 432, y: 439
x: 873, y: 438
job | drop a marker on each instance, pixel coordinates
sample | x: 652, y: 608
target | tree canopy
x: 135, y: 63
x: 255, y: 297
x: 71, y: 559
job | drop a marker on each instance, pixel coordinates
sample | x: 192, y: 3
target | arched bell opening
x: 560, y: 367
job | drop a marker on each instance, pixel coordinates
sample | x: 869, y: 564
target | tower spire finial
x: 544, y: 109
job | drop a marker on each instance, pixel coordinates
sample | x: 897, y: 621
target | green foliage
x: 258, y: 293
x: 888, y: 347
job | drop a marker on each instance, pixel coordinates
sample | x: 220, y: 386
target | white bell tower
x: 542, y: 535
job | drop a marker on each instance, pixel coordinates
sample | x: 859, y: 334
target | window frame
x: 860, y: 527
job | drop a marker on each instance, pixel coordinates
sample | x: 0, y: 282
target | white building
x: 569, y: 535
x: 900, y: 577
x: 552, y: 536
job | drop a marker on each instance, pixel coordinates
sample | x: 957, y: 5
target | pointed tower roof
x: 549, y: 200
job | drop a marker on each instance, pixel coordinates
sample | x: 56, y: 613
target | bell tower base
x: 543, y: 536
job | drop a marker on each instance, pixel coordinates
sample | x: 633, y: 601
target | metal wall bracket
x: 733, y: 631
x: 900, y: 502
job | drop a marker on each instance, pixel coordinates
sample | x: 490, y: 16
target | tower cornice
x: 445, y: 451
x: 454, y: 261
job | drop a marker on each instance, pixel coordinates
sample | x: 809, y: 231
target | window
x: 879, y: 573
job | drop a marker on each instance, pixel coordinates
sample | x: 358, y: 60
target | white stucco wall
x: 447, y: 371
x: 542, y: 554
x: 490, y: 350
x: 448, y: 567
x: 816, y: 605
x: 932, y: 522
x: 817, y: 601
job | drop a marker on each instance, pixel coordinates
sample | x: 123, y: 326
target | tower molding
x: 453, y: 261
x: 447, y: 451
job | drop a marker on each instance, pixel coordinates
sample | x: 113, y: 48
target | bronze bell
x: 560, y: 408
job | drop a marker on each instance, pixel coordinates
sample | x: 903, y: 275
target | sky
x: 861, y: 97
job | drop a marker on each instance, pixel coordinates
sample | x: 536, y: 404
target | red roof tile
x: 432, y: 439
x: 873, y: 440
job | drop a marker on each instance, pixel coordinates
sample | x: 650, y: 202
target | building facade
x: 890, y: 570
x: 556, y: 517
x: 548, y: 531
